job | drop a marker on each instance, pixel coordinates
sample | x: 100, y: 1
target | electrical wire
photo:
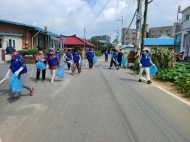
x: 163, y: 10
x: 41, y: 10
x: 132, y: 20
x: 97, y: 15
x: 71, y: 13
x: 127, y: 12
x: 132, y: 9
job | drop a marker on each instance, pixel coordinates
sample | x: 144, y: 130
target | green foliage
x: 46, y: 52
x: 98, y: 53
x: 32, y: 51
x: 99, y: 47
x: 163, y: 58
x: 115, y: 41
x: 23, y: 52
x: 77, y: 47
x: 180, y: 75
x: 80, y: 52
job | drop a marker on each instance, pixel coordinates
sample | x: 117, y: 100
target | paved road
x: 99, y: 105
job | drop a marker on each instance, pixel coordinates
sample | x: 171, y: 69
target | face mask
x: 144, y: 52
x: 40, y: 52
x: 51, y: 52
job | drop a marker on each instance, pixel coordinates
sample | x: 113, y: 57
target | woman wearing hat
x: 53, y: 62
x: 76, y: 59
x: 113, y: 59
x: 90, y: 58
x: 144, y: 63
x: 41, y: 56
x: 68, y: 55
x: 18, y: 67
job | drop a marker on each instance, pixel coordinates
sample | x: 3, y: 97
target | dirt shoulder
x: 169, y: 86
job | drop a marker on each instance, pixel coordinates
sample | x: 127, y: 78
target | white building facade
x: 185, y: 32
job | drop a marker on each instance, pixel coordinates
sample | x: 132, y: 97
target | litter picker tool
x: 3, y: 80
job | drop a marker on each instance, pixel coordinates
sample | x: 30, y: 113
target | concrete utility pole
x: 84, y: 45
x: 144, y: 23
x: 121, y: 30
x: 138, y: 23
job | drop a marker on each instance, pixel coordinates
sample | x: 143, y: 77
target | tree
x: 115, y: 41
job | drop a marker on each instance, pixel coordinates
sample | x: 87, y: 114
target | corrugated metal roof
x: 159, y: 41
x: 36, y: 28
x: 10, y: 34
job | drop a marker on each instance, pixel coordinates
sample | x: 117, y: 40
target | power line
x: 97, y: 15
x: 127, y: 11
x: 132, y: 20
x: 37, y: 10
x: 71, y: 13
x: 163, y: 10
x: 132, y: 8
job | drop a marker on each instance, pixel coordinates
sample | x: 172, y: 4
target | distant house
x: 23, y: 36
x: 103, y: 39
x: 159, y: 42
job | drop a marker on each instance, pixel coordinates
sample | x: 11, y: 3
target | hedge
x: 98, y: 53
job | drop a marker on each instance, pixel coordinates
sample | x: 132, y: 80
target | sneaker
x: 14, y: 97
x: 31, y: 91
x: 149, y: 82
x: 139, y: 80
x: 117, y: 69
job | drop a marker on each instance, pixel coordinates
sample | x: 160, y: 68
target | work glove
x: 140, y: 65
x: 79, y: 61
x: 18, y: 71
x: 47, y: 66
x: 7, y: 74
x: 60, y: 65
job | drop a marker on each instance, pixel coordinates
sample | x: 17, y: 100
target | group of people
x: 144, y: 61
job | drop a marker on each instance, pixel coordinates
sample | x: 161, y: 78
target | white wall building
x: 185, y: 33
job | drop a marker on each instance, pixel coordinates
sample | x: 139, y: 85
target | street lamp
x: 45, y: 43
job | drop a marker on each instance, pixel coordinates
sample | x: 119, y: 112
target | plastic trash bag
x: 15, y: 84
x: 40, y: 65
x: 62, y: 62
x: 60, y: 72
x: 94, y: 60
x: 116, y: 62
x: 81, y: 62
x: 123, y: 62
x: 153, y: 70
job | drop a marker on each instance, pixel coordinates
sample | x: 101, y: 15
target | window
x: 168, y: 31
x: 127, y: 38
x: 13, y: 43
x: 153, y: 32
x: 159, y: 31
x: 127, y: 33
x: 187, y: 17
x: 133, y: 38
x: 1, y: 43
x: 10, y: 42
x: 134, y: 33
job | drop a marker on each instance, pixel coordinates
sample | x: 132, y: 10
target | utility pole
x: 138, y: 23
x: 121, y: 29
x: 84, y: 45
x: 144, y: 23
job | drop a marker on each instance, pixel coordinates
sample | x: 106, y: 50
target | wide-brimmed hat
x: 146, y: 48
x: 51, y: 50
x: 10, y: 50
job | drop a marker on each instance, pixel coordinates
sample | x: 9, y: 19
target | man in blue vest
x: 106, y: 55
x: 119, y: 57
x: 90, y: 58
x: 58, y: 53
x: 113, y: 59
x: 69, y: 58
x: 18, y: 67
x: 76, y: 59
x: 144, y: 63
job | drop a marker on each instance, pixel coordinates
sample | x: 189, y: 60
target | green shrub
x: 80, y: 52
x: 23, y: 52
x: 32, y: 51
x: 98, y: 53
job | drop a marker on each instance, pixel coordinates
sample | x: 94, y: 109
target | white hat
x: 146, y: 48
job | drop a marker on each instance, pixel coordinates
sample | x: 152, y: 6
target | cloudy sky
x: 69, y: 17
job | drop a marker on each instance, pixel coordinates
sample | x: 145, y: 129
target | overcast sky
x: 69, y: 17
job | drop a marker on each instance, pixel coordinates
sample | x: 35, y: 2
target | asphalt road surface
x: 98, y: 105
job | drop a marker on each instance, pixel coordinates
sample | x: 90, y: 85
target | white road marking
x: 171, y: 94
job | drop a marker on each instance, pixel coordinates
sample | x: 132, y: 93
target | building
x: 156, y: 32
x: 185, y: 32
x: 103, y: 39
x: 165, y: 43
x: 129, y: 36
x: 22, y: 36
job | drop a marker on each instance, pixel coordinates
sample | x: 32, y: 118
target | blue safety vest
x: 145, y: 60
x: 76, y: 57
x: 114, y: 55
x: 53, y: 61
x: 106, y: 53
x: 16, y: 64
x: 90, y: 55
x: 69, y: 56
x: 58, y: 54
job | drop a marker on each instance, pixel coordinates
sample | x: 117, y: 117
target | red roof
x: 73, y: 40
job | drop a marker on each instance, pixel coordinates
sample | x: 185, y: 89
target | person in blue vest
x: 144, y: 63
x: 106, y: 55
x: 76, y: 59
x: 69, y: 57
x: 119, y: 57
x: 87, y: 54
x: 53, y: 62
x: 18, y: 67
x: 58, y: 53
x: 41, y: 56
x: 90, y: 58
x: 113, y: 59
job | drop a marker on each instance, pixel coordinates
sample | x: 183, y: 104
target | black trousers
x: 112, y: 62
x: 119, y: 60
x: 38, y: 74
x: 68, y: 65
x: 106, y: 58
x: 90, y: 61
